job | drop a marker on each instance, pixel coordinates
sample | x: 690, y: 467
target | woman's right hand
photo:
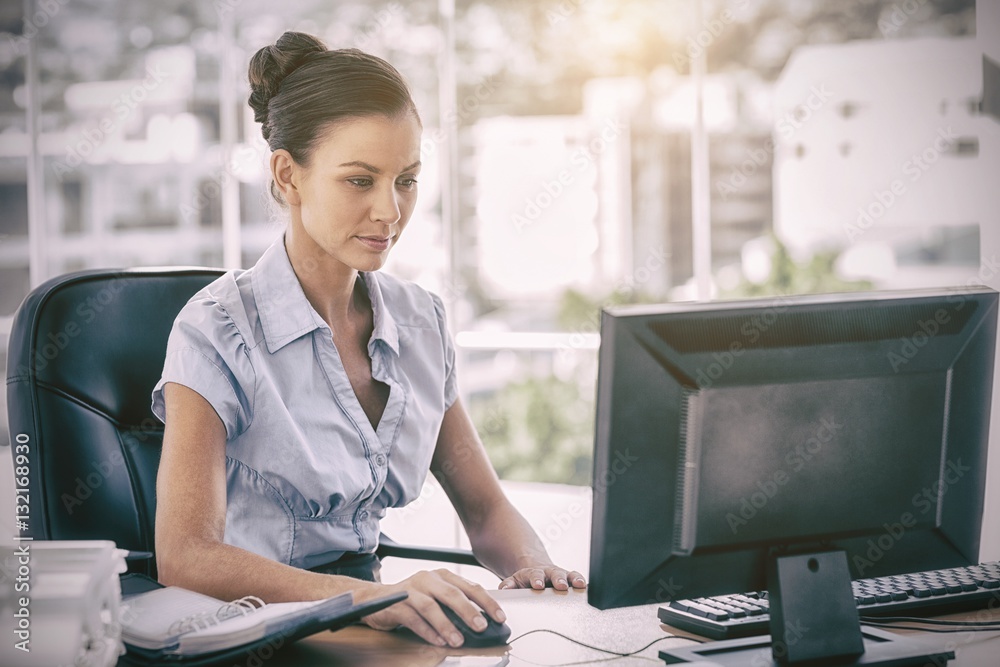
x: 421, y: 611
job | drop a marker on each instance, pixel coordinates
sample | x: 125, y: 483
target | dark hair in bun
x: 298, y: 88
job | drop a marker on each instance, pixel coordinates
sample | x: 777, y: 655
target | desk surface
x: 621, y: 630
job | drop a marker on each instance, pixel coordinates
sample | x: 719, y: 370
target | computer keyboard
x: 919, y: 594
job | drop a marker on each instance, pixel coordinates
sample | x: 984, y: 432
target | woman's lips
x: 375, y: 242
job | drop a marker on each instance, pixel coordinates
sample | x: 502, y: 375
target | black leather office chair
x: 84, y: 354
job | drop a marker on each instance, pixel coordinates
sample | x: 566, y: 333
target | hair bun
x: 271, y: 64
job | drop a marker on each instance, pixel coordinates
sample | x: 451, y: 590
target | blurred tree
x: 538, y: 430
x: 578, y: 310
x: 817, y: 276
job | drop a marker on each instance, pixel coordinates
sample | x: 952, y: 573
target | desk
x: 622, y: 630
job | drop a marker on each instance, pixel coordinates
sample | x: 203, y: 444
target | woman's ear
x: 283, y: 169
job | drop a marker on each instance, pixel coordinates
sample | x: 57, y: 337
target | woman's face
x: 359, y: 190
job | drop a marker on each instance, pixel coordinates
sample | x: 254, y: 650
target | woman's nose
x: 385, y: 208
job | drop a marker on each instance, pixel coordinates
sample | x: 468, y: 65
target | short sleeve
x: 450, y: 377
x: 207, y: 353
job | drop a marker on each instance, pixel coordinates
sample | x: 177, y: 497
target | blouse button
x: 380, y: 460
x: 363, y: 515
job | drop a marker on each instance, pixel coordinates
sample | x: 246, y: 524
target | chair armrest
x: 389, y: 547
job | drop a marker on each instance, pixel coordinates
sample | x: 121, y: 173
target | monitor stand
x: 814, y: 620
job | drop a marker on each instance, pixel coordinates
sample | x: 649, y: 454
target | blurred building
x: 537, y: 211
x: 887, y: 150
x: 738, y: 122
x: 601, y: 201
x: 133, y: 174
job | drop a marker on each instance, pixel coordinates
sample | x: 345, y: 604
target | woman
x: 307, y: 394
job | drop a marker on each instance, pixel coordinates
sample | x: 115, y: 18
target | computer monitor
x: 729, y: 432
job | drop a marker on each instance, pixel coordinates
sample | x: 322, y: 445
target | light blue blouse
x: 307, y: 477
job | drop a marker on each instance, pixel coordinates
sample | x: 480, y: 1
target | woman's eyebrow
x: 373, y: 169
x: 363, y: 165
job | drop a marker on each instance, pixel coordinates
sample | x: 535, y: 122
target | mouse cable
x: 615, y: 654
x: 964, y: 627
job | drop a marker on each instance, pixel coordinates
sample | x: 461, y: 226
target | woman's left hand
x: 542, y: 575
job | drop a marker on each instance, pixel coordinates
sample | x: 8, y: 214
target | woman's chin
x: 372, y: 262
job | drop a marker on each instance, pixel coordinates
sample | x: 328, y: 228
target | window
x: 558, y: 163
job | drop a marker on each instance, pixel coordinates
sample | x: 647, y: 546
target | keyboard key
x: 717, y: 606
x: 750, y: 605
x: 707, y: 612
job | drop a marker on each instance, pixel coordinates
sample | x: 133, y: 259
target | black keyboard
x: 918, y: 594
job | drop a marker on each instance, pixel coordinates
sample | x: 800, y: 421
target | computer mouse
x: 495, y: 634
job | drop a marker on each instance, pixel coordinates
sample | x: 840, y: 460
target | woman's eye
x: 407, y: 183
x: 360, y: 182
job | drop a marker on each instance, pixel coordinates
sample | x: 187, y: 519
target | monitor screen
x: 728, y: 432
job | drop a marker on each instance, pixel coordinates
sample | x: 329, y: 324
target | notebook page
x: 147, y: 617
x: 268, y: 619
x: 238, y: 629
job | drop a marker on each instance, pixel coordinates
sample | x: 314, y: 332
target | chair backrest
x: 84, y: 354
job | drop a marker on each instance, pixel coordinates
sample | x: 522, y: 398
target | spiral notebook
x: 173, y: 624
